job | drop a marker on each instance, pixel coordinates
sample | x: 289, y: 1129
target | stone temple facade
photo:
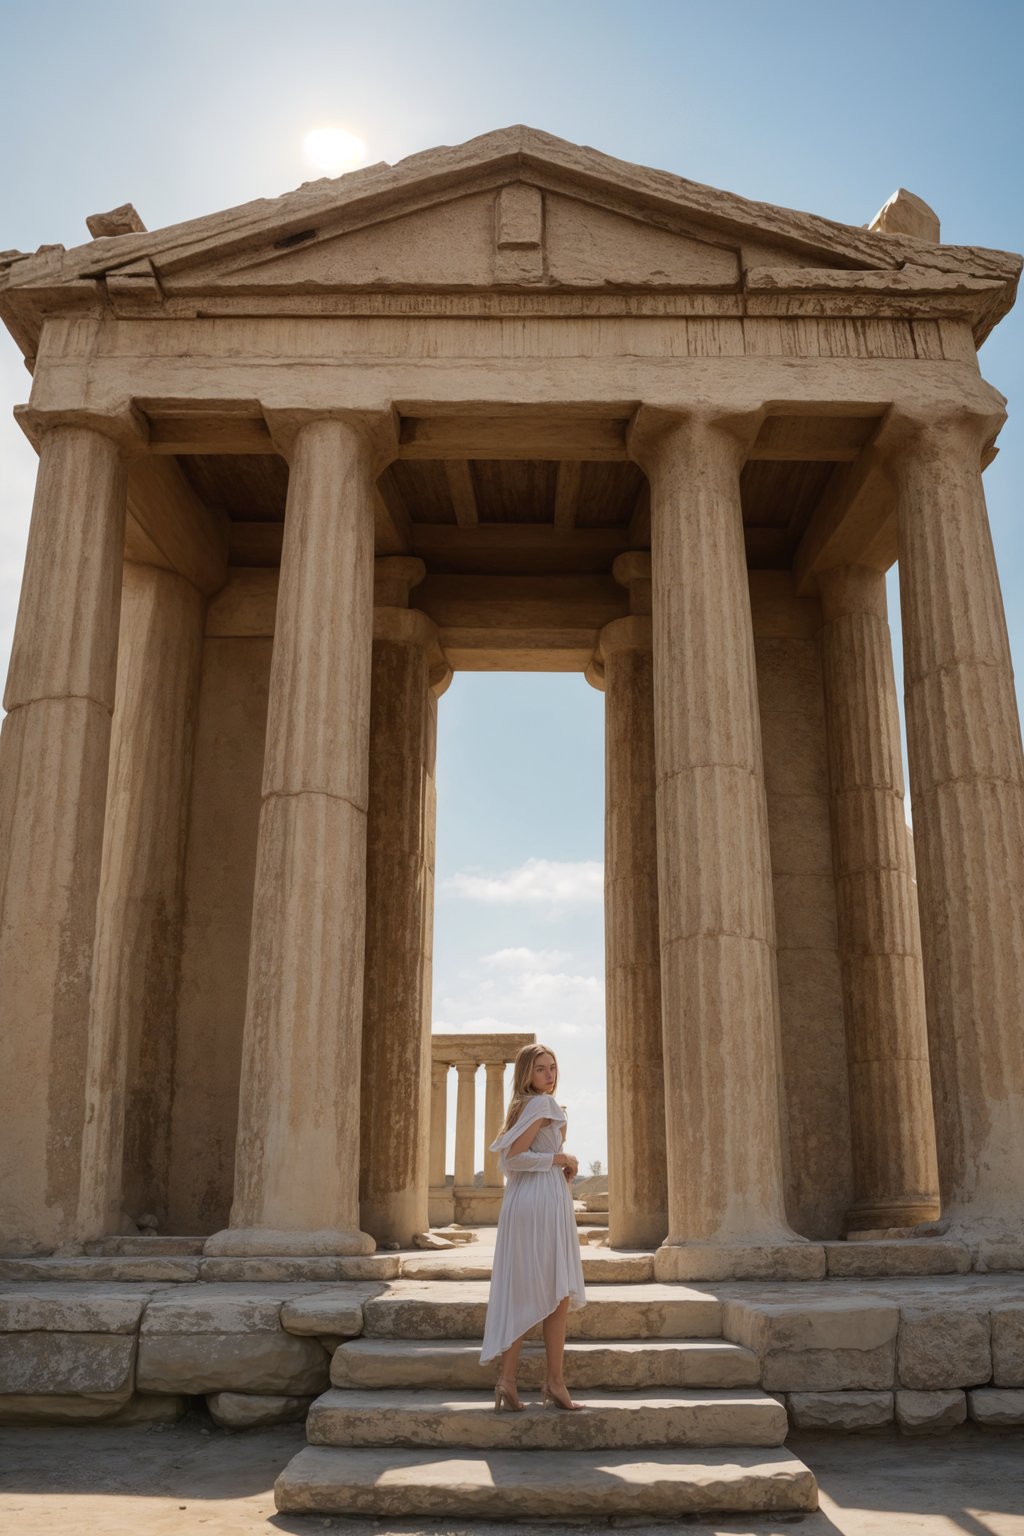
x: 509, y: 405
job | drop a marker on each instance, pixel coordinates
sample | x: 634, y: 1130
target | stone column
x: 297, y: 1152
x: 441, y: 1205
x: 494, y: 1114
x: 138, y: 930
x: 892, y: 1129
x: 718, y: 982
x: 637, y: 1192
x: 465, y: 1125
x: 56, y: 743
x: 394, y: 1150
x: 967, y: 787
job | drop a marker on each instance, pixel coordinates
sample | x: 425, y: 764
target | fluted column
x: 893, y: 1133
x: 438, y: 1122
x: 967, y: 786
x: 494, y: 1114
x: 718, y: 982
x: 637, y: 1189
x: 56, y: 743
x: 138, y: 930
x: 465, y: 1124
x: 394, y: 1150
x: 297, y: 1150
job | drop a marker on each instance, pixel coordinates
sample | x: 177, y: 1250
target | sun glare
x: 334, y: 150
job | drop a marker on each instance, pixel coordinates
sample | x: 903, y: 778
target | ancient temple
x: 513, y: 404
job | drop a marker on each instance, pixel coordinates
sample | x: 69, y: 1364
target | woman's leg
x: 510, y: 1366
x: 554, y: 1343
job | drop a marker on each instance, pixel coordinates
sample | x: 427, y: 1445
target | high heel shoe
x: 503, y: 1399
x: 551, y: 1400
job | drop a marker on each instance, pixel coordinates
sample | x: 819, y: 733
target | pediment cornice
x: 675, y: 236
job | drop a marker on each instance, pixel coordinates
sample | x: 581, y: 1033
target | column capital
x: 412, y: 627
x: 948, y: 432
x: 376, y: 430
x: 393, y: 578
x: 462, y: 1067
x: 126, y: 427
x: 495, y: 1068
x: 633, y: 571
x: 852, y: 589
x: 660, y: 431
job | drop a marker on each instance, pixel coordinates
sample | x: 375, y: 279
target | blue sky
x: 189, y: 108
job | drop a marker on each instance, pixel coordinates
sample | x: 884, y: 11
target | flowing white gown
x: 537, y: 1253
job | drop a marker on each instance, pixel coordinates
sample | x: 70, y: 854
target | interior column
x: 637, y: 1192
x: 967, y: 786
x: 893, y: 1132
x: 718, y: 981
x: 494, y: 1114
x: 395, y: 1142
x: 297, y: 1151
x: 441, y: 1208
x: 138, y: 929
x: 465, y: 1129
x: 55, y: 750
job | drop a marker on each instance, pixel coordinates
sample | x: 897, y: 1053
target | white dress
x: 537, y: 1253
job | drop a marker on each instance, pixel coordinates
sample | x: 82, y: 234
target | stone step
x: 605, y: 1364
x: 429, y: 1309
x: 600, y: 1266
x: 610, y: 1421
x: 542, y: 1485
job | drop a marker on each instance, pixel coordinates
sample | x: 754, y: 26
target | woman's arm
x: 519, y: 1158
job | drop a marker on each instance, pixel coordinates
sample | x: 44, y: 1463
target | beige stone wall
x: 220, y: 870
x: 816, y: 1121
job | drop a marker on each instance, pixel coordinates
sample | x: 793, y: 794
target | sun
x: 334, y: 150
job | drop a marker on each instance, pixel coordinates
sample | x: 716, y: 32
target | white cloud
x: 527, y: 959
x: 550, y: 881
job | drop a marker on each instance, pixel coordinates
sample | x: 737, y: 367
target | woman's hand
x: 569, y: 1165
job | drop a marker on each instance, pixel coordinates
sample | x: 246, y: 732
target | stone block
x: 996, y: 1255
x: 1008, y: 1344
x: 999, y: 1408
x: 62, y: 1407
x: 822, y: 1346
x: 261, y: 1362
x: 117, y: 1270
x: 842, y: 1411
x: 944, y: 1347
x: 739, y: 1261
x: 930, y: 1413
x: 335, y: 1314
x: 71, y: 1308
x: 150, y: 1408
x: 39, y: 1364
x: 251, y: 1270
x: 913, y: 1257
x: 221, y: 1308
x: 250, y: 1410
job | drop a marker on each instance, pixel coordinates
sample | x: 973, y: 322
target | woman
x: 537, y: 1275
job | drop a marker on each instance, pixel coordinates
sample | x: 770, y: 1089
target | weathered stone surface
x: 248, y: 1410
x: 431, y: 1240
x: 151, y: 1408
x: 220, y: 1308
x: 256, y: 1270
x: 736, y: 1261
x: 62, y: 1407
x: 669, y: 1417
x: 426, y: 1310
x: 999, y: 1255
x: 996, y: 1407
x: 65, y: 1363
x: 840, y: 1410
x: 540, y: 1485
x: 842, y: 1345
x: 915, y: 1257
x: 626, y: 1365
x: 944, y: 1347
x: 71, y: 1308
x: 1008, y: 1345
x: 929, y: 1413
x: 338, y: 1312
x: 231, y: 1362
x: 150, y: 1271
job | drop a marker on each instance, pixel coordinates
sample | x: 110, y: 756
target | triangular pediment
x: 515, y: 209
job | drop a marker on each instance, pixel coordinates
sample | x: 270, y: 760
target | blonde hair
x: 522, y: 1075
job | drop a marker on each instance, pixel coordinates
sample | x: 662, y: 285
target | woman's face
x: 545, y: 1073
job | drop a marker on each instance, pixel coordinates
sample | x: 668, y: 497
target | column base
x: 886, y: 1215
x: 269, y: 1242
x: 798, y: 1260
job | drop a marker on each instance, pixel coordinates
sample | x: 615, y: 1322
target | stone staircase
x: 675, y: 1421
